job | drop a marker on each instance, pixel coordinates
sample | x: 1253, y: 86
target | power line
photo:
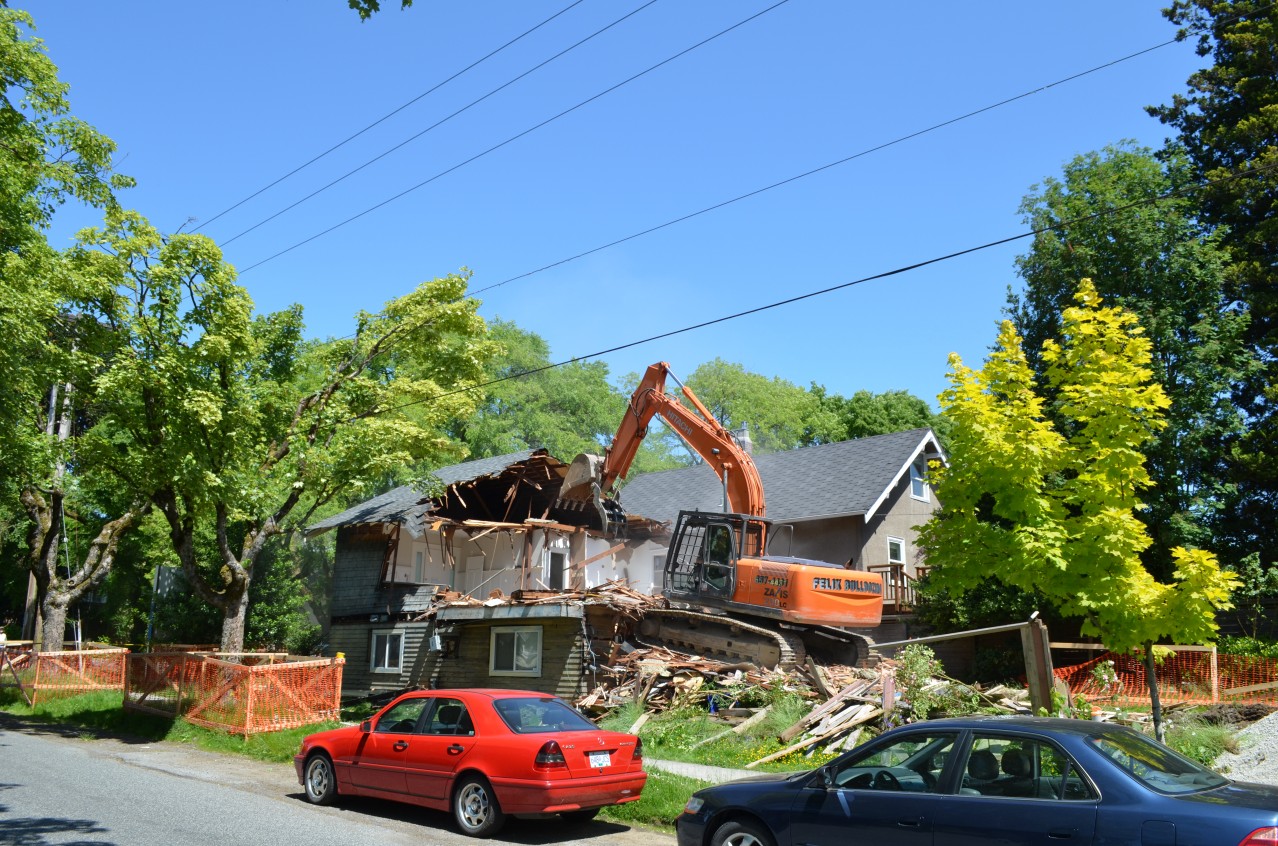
x: 386, y: 116
x: 828, y: 166
x: 1147, y: 201
x: 867, y: 151
x: 531, y: 129
x: 438, y: 123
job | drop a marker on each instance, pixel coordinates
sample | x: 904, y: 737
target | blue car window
x: 912, y: 764
x: 1154, y: 765
x: 1021, y: 768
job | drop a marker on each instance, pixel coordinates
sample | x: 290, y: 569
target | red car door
x: 446, y: 737
x: 378, y: 762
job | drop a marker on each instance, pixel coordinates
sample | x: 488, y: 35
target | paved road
x: 59, y: 787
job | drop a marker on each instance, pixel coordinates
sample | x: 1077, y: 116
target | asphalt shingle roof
x: 401, y: 505
x: 845, y: 478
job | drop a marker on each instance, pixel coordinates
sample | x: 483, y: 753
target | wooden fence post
x: 1038, y: 664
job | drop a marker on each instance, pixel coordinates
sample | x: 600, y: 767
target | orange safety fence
x: 255, y: 693
x: 44, y: 675
x: 1193, y: 675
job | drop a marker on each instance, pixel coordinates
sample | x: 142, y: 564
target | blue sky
x: 209, y: 102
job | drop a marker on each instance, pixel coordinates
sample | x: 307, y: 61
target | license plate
x: 599, y: 759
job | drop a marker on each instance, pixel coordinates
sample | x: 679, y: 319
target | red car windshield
x: 538, y: 716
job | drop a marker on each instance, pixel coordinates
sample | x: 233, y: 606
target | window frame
x: 419, y: 566
x: 918, y: 478
x: 516, y: 631
x: 373, y: 651
x: 901, y: 541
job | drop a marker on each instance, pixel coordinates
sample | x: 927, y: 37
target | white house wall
x: 494, y: 561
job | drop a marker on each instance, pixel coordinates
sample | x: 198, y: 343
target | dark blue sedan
x: 990, y: 780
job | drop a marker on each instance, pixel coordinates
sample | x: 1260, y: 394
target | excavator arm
x: 698, y: 429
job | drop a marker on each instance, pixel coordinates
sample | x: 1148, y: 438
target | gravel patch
x: 1257, y: 758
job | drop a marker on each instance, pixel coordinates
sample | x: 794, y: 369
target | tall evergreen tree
x: 1227, y: 122
x: 1163, y: 265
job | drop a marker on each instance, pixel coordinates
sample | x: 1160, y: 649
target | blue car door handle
x: 1061, y: 834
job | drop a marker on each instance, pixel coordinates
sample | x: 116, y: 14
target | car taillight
x: 549, y: 756
x: 638, y: 753
x: 1267, y: 836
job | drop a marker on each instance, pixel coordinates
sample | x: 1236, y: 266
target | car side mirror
x: 825, y: 778
x: 366, y: 726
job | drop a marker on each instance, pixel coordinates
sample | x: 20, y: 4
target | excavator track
x: 784, y: 646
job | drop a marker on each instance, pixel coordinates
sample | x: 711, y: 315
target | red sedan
x: 484, y: 754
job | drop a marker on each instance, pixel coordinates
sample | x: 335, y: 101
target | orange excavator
x: 732, y: 598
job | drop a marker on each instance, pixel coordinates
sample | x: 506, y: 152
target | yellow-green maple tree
x: 1053, y: 509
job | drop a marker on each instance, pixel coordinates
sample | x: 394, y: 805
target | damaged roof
x: 507, y: 492
x: 404, y: 504
x: 832, y: 480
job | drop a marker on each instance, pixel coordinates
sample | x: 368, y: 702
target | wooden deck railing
x: 898, y: 587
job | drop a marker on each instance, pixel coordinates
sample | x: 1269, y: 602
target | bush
x: 1252, y: 646
x: 1202, y: 741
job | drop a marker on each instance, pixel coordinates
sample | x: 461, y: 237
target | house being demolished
x: 494, y: 536
x: 496, y: 582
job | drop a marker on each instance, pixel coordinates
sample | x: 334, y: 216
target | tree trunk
x: 53, y: 629
x: 1151, y: 680
x: 233, y: 616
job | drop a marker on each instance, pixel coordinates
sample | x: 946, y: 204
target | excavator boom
x: 719, y: 561
x: 592, y: 476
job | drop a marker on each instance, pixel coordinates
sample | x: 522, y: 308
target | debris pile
x: 846, y: 701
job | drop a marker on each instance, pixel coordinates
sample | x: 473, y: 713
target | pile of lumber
x: 846, y: 702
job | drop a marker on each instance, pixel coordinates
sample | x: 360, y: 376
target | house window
x: 896, y: 551
x: 918, y: 480
x: 515, y: 651
x: 419, y: 567
x: 388, y: 652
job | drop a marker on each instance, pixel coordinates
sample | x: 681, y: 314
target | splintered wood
x: 846, y: 701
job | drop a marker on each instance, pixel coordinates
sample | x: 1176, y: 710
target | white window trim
x: 419, y: 566
x: 920, y: 468
x: 372, y: 652
x: 492, y: 650
x: 890, y: 541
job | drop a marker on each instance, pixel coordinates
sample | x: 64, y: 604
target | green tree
x: 865, y: 414
x: 47, y: 158
x: 236, y: 426
x: 1161, y: 264
x: 1227, y: 123
x: 367, y: 8
x: 567, y: 409
x: 778, y: 414
x: 1052, y: 507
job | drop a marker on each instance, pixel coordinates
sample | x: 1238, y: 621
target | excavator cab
x: 704, y: 550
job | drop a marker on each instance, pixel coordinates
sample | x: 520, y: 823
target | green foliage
x: 1052, y: 509
x: 865, y: 414
x: 1160, y: 264
x: 1243, y: 645
x: 662, y: 801
x: 916, y: 668
x: 779, y: 414
x: 1201, y: 741
x: 367, y: 8
x: 1227, y: 123
x: 1257, y: 587
x: 567, y: 410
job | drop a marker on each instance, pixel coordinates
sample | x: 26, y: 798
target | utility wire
x: 386, y: 116
x: 439, y: 122
x: 1063, y: 225
x: 867, y: 151
x: 531, y: 129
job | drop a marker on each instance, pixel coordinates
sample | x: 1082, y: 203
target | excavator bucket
x: 583, y: 474
x: 580, y: 492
